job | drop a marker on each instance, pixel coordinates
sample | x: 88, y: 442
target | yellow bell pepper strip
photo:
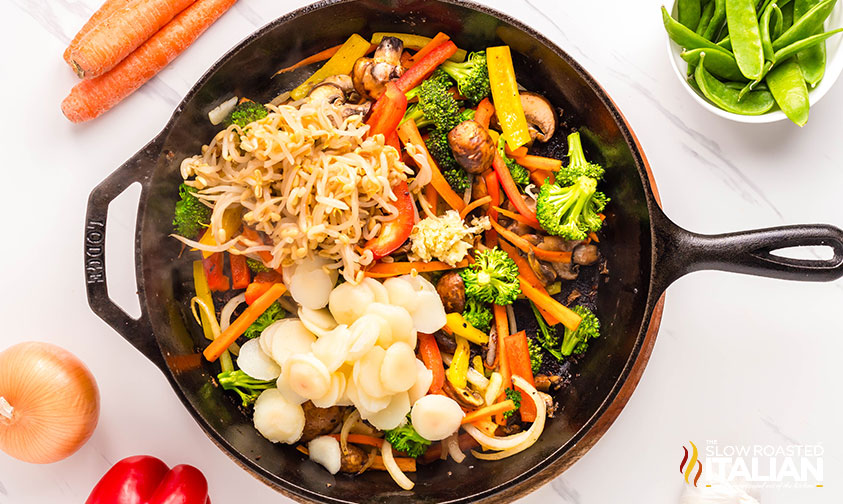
x: 414, y: 42
x: 231, y: 221
x: 460, y: 327
x: 458, y: 369
x: 505, y: 96
x: 210, y: 327
x: 477, y: 364
x: 341, y: 63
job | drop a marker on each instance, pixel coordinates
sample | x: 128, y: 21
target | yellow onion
x: 49, y: 402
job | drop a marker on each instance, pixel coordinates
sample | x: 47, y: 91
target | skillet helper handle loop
x: 138, y: 331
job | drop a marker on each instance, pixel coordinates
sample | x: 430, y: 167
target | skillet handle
x: 679, y: 252
x: 138, y: 331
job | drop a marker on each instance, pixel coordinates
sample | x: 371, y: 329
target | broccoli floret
x: 536, y: 355
x: 472, y: 76
x: 272, y: 314
x: 547, y: 336
x: 571, y: 211
x: 520, y: 175
x: 578, y: 166
x: 437, y: 107
x: 577, y: 341
x: 246, y: 112
x: 257, y: 266
x: 478, y: 314
x: 458, y: 179
x: 191, y: 215
x: 247, y: 388
x: 467, y: 115
x: 492, y: 278
x: 441, y: 77
x: 440, y: 150
x: 405, y: 439
x: 516, y: 398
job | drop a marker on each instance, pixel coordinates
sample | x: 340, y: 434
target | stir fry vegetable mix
x: 425, y: 342
x: 732, y: 47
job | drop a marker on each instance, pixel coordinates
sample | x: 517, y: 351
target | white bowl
x: 834, y: 66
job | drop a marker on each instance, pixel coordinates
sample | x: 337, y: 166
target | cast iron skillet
x: 644, y: 249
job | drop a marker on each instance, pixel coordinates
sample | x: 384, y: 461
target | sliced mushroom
x: 334, y: 94
x: 566, y: 271
x: 545, y: 273
x: 370, y: 75
x: 550, y: 405
x: 556, y: 243
x: 540, y: 115
x: 491, y: 348
x: 445, y: 341
x: 544, y: 383
x: 586, y: 254
x: 478, y: 190
x: 472, y: 145
x: 464, y: 396
x: 519, y: 228
x: 452, y: 292
x: 354, y: 460
x: 343, y: 81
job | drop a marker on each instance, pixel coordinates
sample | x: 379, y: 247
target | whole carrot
x: 104, y: 12
x: 90, y: 98
x: 102, y: 48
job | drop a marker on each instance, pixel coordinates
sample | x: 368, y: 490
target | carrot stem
x: 475, y: 204
x: 488, y: 411
x: 241, y: 323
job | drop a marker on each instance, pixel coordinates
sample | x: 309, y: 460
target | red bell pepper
x: 518, y: 357
x: 425, y: 66
x: 393, y: 141
x: 213, y: 266
x: 240, y: 276
x: 429, y: 354
x: 387, y: 111
x: 147, y: 480
x: 511, y: 190
x: 395, y: 232
x: 263, y: 281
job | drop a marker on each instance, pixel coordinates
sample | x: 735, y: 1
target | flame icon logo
x: 686, y: 467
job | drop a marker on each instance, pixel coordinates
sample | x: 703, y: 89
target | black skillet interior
x: 167, y: 334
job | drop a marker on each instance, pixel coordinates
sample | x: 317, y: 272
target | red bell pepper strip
x: 387, y: 111
x: 147, y: 480
x: 393, y: 141
x: 425, y: 66
x: 240, y: 276
x: 494, y: 192
x: 395, y: 232
x: 518, y: 357
x: 213, y: 267
x: 263, y: 281
x: 511, y: 190
x: 429, y: 354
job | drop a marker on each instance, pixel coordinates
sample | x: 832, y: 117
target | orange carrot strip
x: 386, y: 270
x: 475, y: 204
x: 90, y: 98
x: 539, y: 177
x: 406, y: 464
x: 238, y: 327
x: 488, y: 411
x: 313, y: 58
x: 361, y: 439
x: 518, y: 357
x: 517, y: 153
x: 432, y: 198
x: 593, y: 237
x: 439, y: 39
x: 531, y: 163
x: 409, y: 134
x: 484, y: 112
x: 493, y: 189
x: 527, y: 247
x: 104, y: 12
x: 487, y: 426
x: 518, y: 217
x: 406, y: 59
x: 527, y: 272
x: 108, y: 43
x: 565, y: 315
x: 502, y: 327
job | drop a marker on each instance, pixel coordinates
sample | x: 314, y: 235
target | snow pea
x: 705, y: 18
x: 807, y: 25
x: 689, y: 12
x: 787, y: 16
x: 717, y: 19
x: 746, y: 37
x: 812, y: 59
x: 684, y: 36
x: 787, y: 85
x: 766, y: 36
x: 724, y: 96
x: 721, y: 63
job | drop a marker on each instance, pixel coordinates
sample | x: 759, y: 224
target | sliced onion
x: 494, y: 388
x: 228, y: 310
x: 219, y: 113
x: 349, y: 422
x: 453, y: 444
x: 255, y: 363
x: 325, y: 451
x: 533, y: 433
x: 393, y: 469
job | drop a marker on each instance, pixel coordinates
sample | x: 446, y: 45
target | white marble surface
x: 739, y: 359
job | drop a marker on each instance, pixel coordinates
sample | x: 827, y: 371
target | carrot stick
x: 91, y: 98
x: 484, y: 112
x: 104, y: 12
x: 527, y: 247
x: 432, y: 358
x: 518, y: 357
x: 533, y: 163
x: 494, y: 191
x: 241, y: 323
x: 475, y: 204
x: 361, y: 439
x: 517, y: 217
x: 439, y: 39
x: 527, y: 273
x: 540, y: 176
x: 502, y: 328
x: 593, y: 237
x: 313, y: 58
x: 108, y: 43
x: 511, y: 189
x: 432, y: 197
x: 409, y: 134
x: 386, y: 270
x: 488, y: 411
x: 517, y: 153
x: 565, y: 315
